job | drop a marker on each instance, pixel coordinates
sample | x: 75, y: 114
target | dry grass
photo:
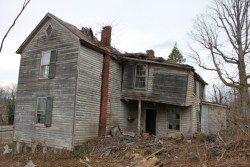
x: 231, y: 149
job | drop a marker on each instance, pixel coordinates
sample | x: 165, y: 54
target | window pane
x: 45, y: 60
x: 41, y: 107
x: 44, y: 71
x: 140, y: 82
x: 41, y: 104
x: 140, y: 78
x: 174, y: 120
x: 140, y: 70
x: 40, y: 118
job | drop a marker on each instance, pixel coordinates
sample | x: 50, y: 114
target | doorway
x: 151, y: 121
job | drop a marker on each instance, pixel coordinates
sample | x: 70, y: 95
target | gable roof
x: 83, y: 37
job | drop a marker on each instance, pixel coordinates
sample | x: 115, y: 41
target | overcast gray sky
x: 138, y: 25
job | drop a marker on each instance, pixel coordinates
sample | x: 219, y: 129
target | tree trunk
x: 244, y: 100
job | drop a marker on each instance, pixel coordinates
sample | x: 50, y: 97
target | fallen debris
x: 30, y: 164
x: 130, y: 134
x: 138, y: 151
x: 175, y: 136
x: 140, y: 161
x: 156, y: 152
x: 145, y: 135
x: 88, y: 165
x: 7, y: 150
x: 115, y: 131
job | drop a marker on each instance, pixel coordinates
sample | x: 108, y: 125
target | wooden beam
x: 139, y: 117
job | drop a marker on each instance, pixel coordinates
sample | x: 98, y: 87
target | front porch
x: 159, y: 119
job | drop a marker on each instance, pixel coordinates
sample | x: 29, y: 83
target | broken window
x: 140, y: 76
x: 174, y: 120
x: 44, y: 111
x: 48, y: 64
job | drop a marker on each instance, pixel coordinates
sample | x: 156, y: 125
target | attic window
x: 49, y: 30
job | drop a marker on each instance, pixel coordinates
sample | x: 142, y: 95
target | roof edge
x: 35, y: 30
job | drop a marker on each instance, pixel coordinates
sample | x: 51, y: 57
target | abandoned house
x: 73, y: 87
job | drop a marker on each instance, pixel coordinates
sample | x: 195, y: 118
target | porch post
x: 139, y: 117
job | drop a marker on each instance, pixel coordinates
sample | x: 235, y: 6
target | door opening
x: 151, y: 121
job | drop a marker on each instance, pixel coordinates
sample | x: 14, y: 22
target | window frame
x: 43, y: 53
x: 171, y: 116
x: 140, y: 76
x: 37, y: 103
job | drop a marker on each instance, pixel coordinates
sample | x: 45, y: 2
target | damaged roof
x: 142, y: 57
x: 85, y: 35
x: 87, y: 38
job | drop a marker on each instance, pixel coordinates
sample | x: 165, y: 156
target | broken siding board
x: 88, y: 100
x: 61, y: 88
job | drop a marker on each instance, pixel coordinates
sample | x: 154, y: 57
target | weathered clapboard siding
x: 88, y: 100
x: 62, y: 88
x: 213, y: 117
x: 196, y: 107
x: 190, y: 89
x: 186, y: 120
x: 6, y: 133
x: 118, y: 110
x: 165, y: 85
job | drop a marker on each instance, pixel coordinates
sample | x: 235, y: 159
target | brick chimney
x: 105, y: 42
x: 106, y: 36
x: 150, y: 54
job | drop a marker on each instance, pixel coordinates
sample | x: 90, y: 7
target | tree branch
x: 24, y: 6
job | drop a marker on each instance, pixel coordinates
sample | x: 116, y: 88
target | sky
x: 138, y: 25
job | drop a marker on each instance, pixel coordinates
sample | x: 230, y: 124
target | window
x: 41, y: 109
x: 140, y: 76
x: 44, y: 111
x: 45, y: 61
x: 49, y: 30
x: 48, y: 64
x: 174, y: 120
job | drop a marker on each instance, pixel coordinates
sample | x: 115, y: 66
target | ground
x: 198, y: 150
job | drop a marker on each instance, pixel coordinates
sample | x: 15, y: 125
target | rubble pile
x: 127, y: 149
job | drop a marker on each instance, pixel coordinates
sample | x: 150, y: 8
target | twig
x: 88, y: 165
x: 242, y: 150
x: 153, y: 154
x: 218, y: 160
x: 24, y: 6
x: 218, y: 134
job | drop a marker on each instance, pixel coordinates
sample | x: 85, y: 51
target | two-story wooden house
x: 72, y: 88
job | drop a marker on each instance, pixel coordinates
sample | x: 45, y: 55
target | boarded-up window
x: 174, y: 120
x: 140, y: 76
x: 48, y: 64
x: 44, y: 111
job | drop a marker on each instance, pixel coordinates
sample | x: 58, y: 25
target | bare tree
x: 7, y: 103
x: 223, y: 34
x: 25, y: 3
